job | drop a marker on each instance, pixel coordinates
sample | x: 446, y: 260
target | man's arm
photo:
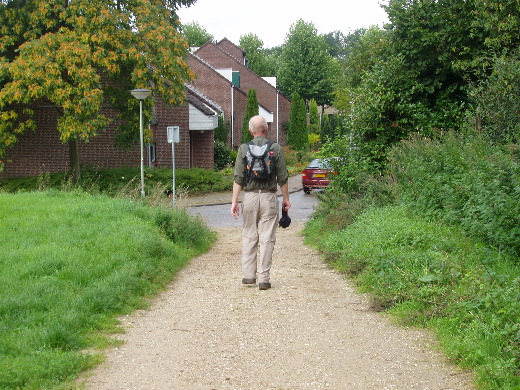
x: 234, y: 200
x: 285, y: 196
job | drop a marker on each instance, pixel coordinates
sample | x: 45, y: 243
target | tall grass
x: 433, y: 275
x: 464, y: 181
x: 72, y: 262
x: 436, y: 241
x: 117, y: 181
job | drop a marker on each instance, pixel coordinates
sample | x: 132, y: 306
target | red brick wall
x: 195, y: 148
x: 218, y: 58
x: 233, y: 50
x: 176, y: 116
x: 202, y: 152
x: 41, y: 151
x: 218, y: 89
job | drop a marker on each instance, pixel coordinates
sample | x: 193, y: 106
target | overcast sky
x: 271, y: 20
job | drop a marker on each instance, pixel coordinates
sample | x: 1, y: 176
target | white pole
x: 142, y: 147
x: 173, y: 174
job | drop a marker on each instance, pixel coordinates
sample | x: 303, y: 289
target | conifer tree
x: 314, y: 117
x: 326, y: 132
x: 251, y: 111
x: 297, y: 136
x: 222, y: 131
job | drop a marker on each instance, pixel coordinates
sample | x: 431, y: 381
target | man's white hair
x: 258, y: 125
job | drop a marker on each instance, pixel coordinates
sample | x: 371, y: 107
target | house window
x: 152, y: 153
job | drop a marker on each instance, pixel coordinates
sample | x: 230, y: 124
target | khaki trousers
x: 260, y: 218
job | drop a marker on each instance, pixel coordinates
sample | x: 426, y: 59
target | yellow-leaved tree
x: 78, y: 54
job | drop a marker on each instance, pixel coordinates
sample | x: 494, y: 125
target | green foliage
x: 458, y: 272
x: 297, y: 134
x: 306, y: 65
x: 296, y: 160
x: 498, y: 103
x: 195, y: 34
x: 464, y: 181
x: 327, y: 132
x: 336, y: 42
x: 222, y: 155
x: 273, y: 59
x: 251, y: 111
x: 63, y: 287
x: 222, y: 131
x: 314, y: 125
x: 56, y: 52
x: 255, y: 54
x: 314, y: 117
x: 432, y: 275
x: 123, y: 181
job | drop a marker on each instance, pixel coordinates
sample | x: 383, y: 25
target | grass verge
x: 434, y: 276
x: 71, y: 263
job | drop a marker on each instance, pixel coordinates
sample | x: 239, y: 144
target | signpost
x: 173, y: 138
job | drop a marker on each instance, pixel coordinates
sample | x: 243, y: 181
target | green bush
x: 223, y: 156
x: 430, y: 274
x: 464, y: 181
x: 125, y: 181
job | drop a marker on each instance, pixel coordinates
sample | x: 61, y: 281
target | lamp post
x: 141, y: 94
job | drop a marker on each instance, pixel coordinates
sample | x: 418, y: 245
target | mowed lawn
x: 70, y: 263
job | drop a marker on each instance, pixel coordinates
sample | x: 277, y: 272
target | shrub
x: 125, y: 181
x: 430, y: 274
x: 222, y: 155
x: 464, y: 181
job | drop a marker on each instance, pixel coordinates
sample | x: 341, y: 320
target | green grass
x: 126, y: 181
x: 71, y: 263
x: 432, y: 275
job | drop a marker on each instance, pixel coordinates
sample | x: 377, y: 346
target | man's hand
x: 234, y: 200
x: 234, y: 210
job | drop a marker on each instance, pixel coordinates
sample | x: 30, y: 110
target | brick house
x: 220, y: 88
x: 230, y: 60
x: 41, y: 152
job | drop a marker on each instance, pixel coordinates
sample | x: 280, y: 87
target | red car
x: 316, y: 175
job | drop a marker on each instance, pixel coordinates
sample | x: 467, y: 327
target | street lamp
x: 141, y: 94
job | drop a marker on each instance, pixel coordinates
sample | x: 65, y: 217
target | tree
x: 273, y: 58
x: 221, y: 133
x: 498, y: 103
x: 314, y: 117
x: 306, y: 64
x: 297, y: 136
x: 78, y: 55
x: 251, y: 111
x: 327, y: 132
x: 255, y: 54
x: 195, y: 34
x: 336, y: 43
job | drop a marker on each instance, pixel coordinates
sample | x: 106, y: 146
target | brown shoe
x: 264, y: 286
x: 248, y: 281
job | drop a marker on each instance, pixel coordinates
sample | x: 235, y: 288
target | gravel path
x: 310, y: 331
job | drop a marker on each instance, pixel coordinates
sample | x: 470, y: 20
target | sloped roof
x: 201, y: 102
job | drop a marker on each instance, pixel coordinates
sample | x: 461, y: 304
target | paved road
x: 219, y: 216
x: 215, y: 208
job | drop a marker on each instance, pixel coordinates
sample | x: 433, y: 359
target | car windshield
x: 318, y: 163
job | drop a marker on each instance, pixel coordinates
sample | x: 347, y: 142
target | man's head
x: 258, y: 126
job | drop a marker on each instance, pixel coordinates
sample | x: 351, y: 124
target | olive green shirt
x: 280, y: 177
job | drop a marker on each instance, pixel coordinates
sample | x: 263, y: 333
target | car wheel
x: 307, y: 190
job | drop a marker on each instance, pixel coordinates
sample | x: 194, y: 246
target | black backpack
x: 259, y: 161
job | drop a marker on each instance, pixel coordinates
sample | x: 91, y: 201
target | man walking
x: 260, y: 204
